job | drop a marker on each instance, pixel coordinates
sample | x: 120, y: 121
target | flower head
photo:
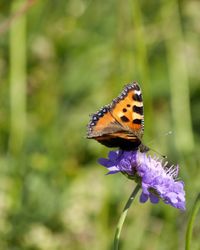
x: 156, y: 179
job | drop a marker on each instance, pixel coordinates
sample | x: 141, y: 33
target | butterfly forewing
x: 127, y: 109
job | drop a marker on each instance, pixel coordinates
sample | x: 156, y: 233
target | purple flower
x: 156, y: 179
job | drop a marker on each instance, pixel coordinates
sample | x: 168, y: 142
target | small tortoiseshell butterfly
x: 121, y: 123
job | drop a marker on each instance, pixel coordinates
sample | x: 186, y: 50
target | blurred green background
x: 61, y: 61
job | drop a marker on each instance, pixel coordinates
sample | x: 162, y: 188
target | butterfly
x: 120, y: 123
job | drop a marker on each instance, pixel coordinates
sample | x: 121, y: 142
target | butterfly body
x: 121, y: 123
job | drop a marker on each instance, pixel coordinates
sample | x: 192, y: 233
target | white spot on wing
x: 138, y: 104
x: 137, y: 116
x: 137, y: 92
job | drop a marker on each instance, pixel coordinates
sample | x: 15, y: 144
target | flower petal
x: 143, y: 197
x: 154, y: 199
x: 157, y: 181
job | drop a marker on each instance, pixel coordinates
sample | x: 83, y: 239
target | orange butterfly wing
x: 127, y: 109
x: 120, y: 124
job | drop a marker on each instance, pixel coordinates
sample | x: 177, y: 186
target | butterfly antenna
x: 165, y: 134
x: 155, y: 151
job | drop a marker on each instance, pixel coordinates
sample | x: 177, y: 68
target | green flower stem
x: 188, y: 235
x: 123, y: 216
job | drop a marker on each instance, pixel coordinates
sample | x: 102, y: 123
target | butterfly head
x: 143, y: 148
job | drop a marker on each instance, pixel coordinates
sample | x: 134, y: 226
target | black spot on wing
x: 124, y: 110
x: 137, y: 97
x: 128, y: 105
x: 137, y: 121
x: 136, y: 86
x: 124, y: 118
x: 138, y: 110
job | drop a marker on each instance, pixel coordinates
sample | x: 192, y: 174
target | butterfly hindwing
x: 102, y: 123
x: 120, y: 124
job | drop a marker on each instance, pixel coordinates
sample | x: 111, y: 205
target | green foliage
x: 78, y: 54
